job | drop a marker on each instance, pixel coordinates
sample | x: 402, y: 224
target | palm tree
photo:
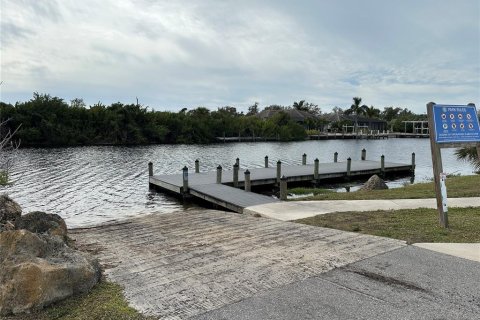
x: 299, y: 105
x: 356, y: 109
x: 372, y: 112
x: 469, y: 154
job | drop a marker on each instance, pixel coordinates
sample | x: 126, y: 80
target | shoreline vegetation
x: 48, y: 121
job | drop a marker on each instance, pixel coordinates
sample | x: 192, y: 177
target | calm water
x: 91, y: 185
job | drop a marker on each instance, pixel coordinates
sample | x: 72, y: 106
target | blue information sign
x: 456, y: 124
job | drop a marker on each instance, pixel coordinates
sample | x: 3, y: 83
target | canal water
x: 91, y: 185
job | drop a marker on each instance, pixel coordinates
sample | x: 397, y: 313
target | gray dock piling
x: 335, y: 157
x: 279, y: 170
x: 235, y: 175
x: 150, y: 169
x: 413, y: 162
x: 237, y: 162
x: 364, y: 154
x: 382, y: 165
x: 283, y: 188
x: 219, y: 174
x: 266, y: 161
x: 349, y: 167
x: 248, y: 184
x: 315, y: 170
x: 197, y: 166
x: 185, y: 179
x: 304, y: 159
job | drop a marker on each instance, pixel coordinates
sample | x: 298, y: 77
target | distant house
x: 369, y: 123
x: 363, y: 123
x: 296, y: 115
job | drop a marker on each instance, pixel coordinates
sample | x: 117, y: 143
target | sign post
x: 451, y: 126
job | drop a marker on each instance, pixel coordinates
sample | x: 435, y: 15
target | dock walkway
x: 203, y: 185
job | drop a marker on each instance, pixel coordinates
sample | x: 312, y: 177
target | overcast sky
x: 180, y: 53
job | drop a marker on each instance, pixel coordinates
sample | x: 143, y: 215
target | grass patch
x: 105, y: 302
x: 411, y: 225
x: 458, y: 186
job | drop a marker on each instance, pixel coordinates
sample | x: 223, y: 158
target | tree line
x: 48, y: 121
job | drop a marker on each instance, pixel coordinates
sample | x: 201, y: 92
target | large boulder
x: 10, y: 213
x: 41, y: 222
x: 39, y: 269
x: 374, y: 183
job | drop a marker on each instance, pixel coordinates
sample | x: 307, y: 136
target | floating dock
x: 230, y: 189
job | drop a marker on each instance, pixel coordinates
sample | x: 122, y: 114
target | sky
x: 190, y: 53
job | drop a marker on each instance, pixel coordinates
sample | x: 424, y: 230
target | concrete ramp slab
x: 183, y: 264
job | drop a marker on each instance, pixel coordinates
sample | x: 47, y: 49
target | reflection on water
x: 91, y: 185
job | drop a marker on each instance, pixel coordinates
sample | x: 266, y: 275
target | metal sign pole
x: 437, y: 167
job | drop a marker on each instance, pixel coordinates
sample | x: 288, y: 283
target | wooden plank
x: 229, y: 197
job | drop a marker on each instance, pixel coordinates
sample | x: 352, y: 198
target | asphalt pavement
x: 407, y: 283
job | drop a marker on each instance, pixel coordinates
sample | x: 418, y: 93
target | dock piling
x: 266, y: 161
x: 248, y: 184
x: 382, y: 165
x: 364, y: 154
x: 197, y: 166
x: 150, y: 169
x: 349, y: 166
x: 283, y: 188
x: 185, y: 179
x: 335, y: 157
x: 219, y: 174
x: 235, y: 175
x: 413, y: 162
x: 304, y: 159
x: 279, y: 170
x: 237, y: 162
x: 315, y: 168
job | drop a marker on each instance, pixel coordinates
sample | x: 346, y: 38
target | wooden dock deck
x: 203, y: 185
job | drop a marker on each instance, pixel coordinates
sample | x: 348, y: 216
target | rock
x: 39, y: 269
x: 374, y: 183
x: 41, y: 222
x: 10, y: 212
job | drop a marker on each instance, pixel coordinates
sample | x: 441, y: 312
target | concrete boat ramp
x: 185, y: 264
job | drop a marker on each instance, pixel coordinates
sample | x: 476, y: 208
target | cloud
x: 174, y: 54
